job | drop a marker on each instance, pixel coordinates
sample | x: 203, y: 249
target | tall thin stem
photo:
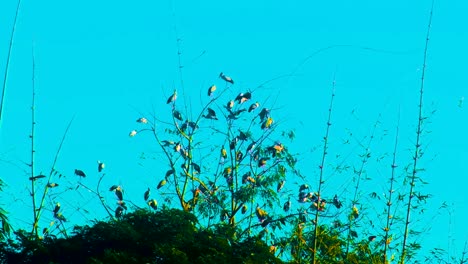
x: 390, y: 191
x: 322, y: 164
x: 33, y: 125
x: 5, y: 77
x: 418, y: 142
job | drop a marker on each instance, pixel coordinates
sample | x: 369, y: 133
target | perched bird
x: 261, y: 214
x: 211, y: 90
x: 267, y: 123
x: 169, y: 173
x: 133, y: 133
x: 52, y: 185
x: 251, y: 147
x: 223, y: 152
x: 227, y: 171
x: 167, y: 143
x: 355, y: 212
x: 243, y: 97
x: 244, y: 209
x: 303, y: 187
x: 100, y: 166
x: 60, y: 217
x: 36, y: 177
x: 56, y: 208
x: 122, y: 204
x: 262, y: 162
x: 233, y: 143
x: 287, y: 206
x: 235, y: 114
x: 280, y: 185
x: 172, y: 98
x: 253, y: 107
x: 119, y: 193
x: 226, y: 78
x: 142, y: 120
x: 336, y: 202
x: 80, y: 173
x: 147, y: 194
x: 242, y: 136
x: 196, y: 167
x: 239, y: 155
x: 247, y: 178
x: 153, y: 204
x: 177, y: 115
x: 177, y: 147
x: 211, y: 114
x: 265, y: 113
x: 162, y: 183
x: 119, y: 211
x: 372, y: 238
x: 230, y: 105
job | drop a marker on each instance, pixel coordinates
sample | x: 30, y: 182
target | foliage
x: 166, y: 236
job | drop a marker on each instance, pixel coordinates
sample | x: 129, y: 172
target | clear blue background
x: 105, y: 62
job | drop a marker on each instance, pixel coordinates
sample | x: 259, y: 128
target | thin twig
x: 8, y: 61
x: 325, y: 148
x: 418, y: 141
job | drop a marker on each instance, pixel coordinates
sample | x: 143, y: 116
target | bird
x: 239, y: 155
x: 226, y: 78
x: 113, y: 187
x: 243, y: 136
x: 60, y: 217
x: 119, y: 211
x: 36, y: 177
x: 56, y: 208
x: 372, y: 238
x: 177, y: 114
x: 280, y: 185
x: 169, y: 172
x: 287, y: 205
x: 223, y: 153
x: 227, y: 171
x: 235, y: 114
x: 264, y: 114
x: 233, y: 143
x: 251, y: 147
x: 261, y: 214
x: 253, y: 107
x: 243, y: 97
x: 52, y: 185
x: 172, y: 98
x: 196, y: 167
x: 336, y: 202
x: 262, y: 162
x: 355, y: 212
x: 211, y: 114
x: 267, y: 123
x: 147, y: 194
x: 119, y: 193
x: 80, y: 173
x: 244, y: 209
x: 142, y: 120
x: 211, y: 90
x: 230, y: 105
x: 162, y: 183
x: 303, y: 187
x: 100, y: 166
x: 153, y: 204
x: 132, y: 133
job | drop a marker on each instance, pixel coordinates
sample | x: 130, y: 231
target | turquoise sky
x: 105, y: 62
